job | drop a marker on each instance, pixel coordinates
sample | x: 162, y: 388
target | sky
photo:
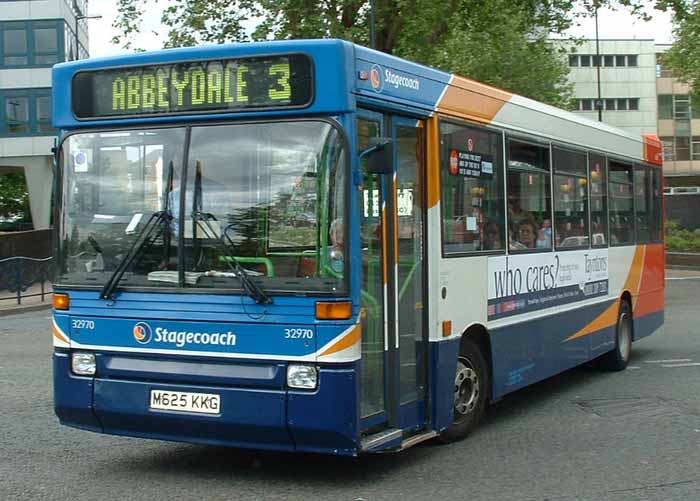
x: 611, y: 24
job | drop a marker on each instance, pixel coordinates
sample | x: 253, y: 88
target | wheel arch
x: 479, y: 334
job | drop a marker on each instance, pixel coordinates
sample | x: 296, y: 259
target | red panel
x: 651, y: 290
x: 653, y: 149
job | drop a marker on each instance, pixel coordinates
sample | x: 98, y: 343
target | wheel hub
x: 466, y: 387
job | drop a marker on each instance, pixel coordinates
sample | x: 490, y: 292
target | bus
x: 312, y: 246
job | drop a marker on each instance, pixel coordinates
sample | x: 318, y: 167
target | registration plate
x: 203, y: 403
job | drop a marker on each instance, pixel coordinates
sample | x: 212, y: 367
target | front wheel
x: 470, y: 392
x: 619, y: 357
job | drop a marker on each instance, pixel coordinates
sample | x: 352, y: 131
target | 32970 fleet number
x: 298, y: 334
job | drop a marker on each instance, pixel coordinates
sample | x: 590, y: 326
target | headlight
x: 302, y: 376
x: 83, y: 364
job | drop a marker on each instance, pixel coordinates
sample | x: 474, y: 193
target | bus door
x: 394, y: 306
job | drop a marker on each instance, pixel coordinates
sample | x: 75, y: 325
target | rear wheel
x: 619, y: 357
x: 470, y: 392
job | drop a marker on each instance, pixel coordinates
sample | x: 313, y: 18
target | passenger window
x: 621, y: 203
x: 529, y: 197
x: 642, y: 203
x: 657, y: 203
x: 472, y: 189
x: 599, y: 200
x: 570, y: 199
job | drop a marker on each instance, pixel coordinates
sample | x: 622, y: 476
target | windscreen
x: 267, y: 196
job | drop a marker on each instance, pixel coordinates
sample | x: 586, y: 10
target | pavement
x: 9, y: 306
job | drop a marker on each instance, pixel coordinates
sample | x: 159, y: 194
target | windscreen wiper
x: 253, y: 289
x: 149, y: 233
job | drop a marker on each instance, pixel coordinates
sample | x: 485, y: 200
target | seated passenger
x: 516, y: 214
x: 544, y: 235
x: 492, y: 237
x: 525, y: 235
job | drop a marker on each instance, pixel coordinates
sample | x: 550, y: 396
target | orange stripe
x: 350, y: 339
x: 57, y: 333
x: 473, y: 100
x: 609, y: 316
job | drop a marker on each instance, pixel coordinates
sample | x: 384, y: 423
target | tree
x: 501, y: 42
x: 683, y: 58
x: 14, y: 199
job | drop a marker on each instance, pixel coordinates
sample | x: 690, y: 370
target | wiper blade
x: 253, y: 289
x: 147, y: 234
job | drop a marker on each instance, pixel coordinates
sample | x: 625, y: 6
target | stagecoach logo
x: 142, y: 332
x: 375, y: 78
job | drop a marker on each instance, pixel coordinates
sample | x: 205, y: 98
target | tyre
x: 470, y: 392
x: 619, y: 357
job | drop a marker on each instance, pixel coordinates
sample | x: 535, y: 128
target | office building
x: 34, y: 35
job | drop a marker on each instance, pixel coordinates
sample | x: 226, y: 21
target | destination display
x: 526, y: 283
x: 231, y: 85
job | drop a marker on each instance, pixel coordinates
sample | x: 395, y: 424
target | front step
x: 417, y: 439
x: 381, y: 440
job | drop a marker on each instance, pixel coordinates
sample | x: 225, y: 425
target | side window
x: 529, y: 197
x: 472, y: 189
x: 570, y: 199
x: 599, y: 200
x: 657, y: 203
x: 621, y: 203
x: 642, y: 203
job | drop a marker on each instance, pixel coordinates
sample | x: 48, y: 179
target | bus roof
x: 350, y: 74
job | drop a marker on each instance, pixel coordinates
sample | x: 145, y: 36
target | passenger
x: 544, y: 236
x: 492, y: 237
x: 516, y: 214
x: 525, y: 236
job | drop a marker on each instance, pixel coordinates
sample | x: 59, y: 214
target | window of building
x: 473, y: 212
x: 25, y: 112
x: 681, y: 106
x: 631, y: 60
x: 599, y: 200
x: 642, y: 203
x: 14, y: 44
x: 586, y: 104
x: 609, y: 61
x: 595, y: 60
x: 31, y: 43
x: 573, y: 60
x: 622, y: 104
x: 633, y: 104
x: 695, y: 148
x: 570, y: 199
x: 665, y: 104
x: 682, y: 152
x: 610, y: 105
x: 619, y: 60
x: 620, y: 193
x: 529, y: 197
x: 585, y: 60
x: 17, y: 114
x: 667, y: 143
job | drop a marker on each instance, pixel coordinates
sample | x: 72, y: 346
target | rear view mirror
x: 380, y: 157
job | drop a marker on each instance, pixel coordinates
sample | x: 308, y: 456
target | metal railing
x: 21, y: 275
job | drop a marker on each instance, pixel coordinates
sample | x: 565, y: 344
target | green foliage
x: 14, y: 198
x: 683, y: 58
x: 500, y: 42
x: 678, y: 239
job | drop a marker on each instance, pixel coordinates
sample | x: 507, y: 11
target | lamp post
x: 78, y: 17
x: 599, y: 101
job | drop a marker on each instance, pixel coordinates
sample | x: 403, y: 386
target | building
x: 34, y: 35
x: 627, y: 82
x: 678, y: 129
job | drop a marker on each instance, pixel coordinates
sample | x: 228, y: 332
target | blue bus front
x: 206, y: 287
